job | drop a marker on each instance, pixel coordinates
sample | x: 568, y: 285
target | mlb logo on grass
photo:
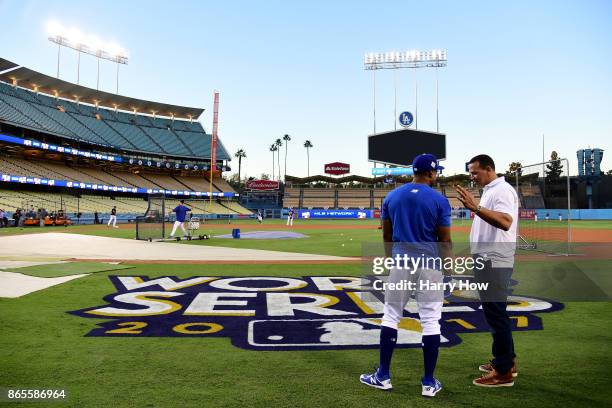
x: 282, y: 313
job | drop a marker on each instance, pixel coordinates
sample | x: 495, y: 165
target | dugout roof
x: 36, y: 81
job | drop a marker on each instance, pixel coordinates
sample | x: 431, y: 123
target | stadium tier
x: 62, y: 171
x: 56, y: 148
x: 88, y: 204
x: 352, y: 197
x: 112, y: 129
x: 531, y: 196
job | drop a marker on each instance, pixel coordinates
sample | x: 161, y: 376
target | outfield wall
x: 335, y: 214
x: 576, y: 214
x: 553, y: 213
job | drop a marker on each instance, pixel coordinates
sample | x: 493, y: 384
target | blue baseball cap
x: 426, y: 162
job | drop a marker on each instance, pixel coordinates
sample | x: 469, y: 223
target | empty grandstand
x: 351, y: 192
x: 65, y: 146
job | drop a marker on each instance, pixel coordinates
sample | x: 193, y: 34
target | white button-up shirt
x: 499, y: 245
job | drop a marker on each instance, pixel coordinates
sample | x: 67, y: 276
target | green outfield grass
x: 566, y: 364
x: 69, y: 268
x: 578, y: 224
x: 336, y: 237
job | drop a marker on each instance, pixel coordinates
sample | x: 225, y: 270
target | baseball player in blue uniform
x: 414, y: 215
x: 290, y: 216
x: 181, y: 211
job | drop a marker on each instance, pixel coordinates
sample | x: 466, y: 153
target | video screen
x: 402, y: 146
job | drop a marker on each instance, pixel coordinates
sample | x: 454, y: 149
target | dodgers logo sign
x: 406, y: 119
x: 279, y: 313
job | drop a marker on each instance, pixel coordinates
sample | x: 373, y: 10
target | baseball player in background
x: 493, y: 235
x: 259, y: 216
x: 181, y: 211
x: 414, y: 215
x: 290, y: 217
x: 113, y: 218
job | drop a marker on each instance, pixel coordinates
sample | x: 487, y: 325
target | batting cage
x: 545, y: 204
x: 207, y: 218
x: 152, y: 225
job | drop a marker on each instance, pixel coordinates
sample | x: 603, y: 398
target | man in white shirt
x: 493, y: 236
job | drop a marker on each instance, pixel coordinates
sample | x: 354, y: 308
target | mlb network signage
x: 392, y: 171
x: 262, y: 185
x: 359, y: 214
x: 279, y: 313
x: 337, y: 168
x: 103, y: 187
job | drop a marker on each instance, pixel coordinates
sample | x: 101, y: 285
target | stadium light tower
x: 400, y: 60
x: 87, y: 44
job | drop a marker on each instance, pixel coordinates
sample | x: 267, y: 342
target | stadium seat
x: 105, y: 131
x: 101, y: 126
x: 168, y: 140
x: 135, y: 135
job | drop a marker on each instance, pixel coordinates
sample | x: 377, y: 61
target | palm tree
x: 278, y: 143
x: 240, y: 154
x: 286, y: 138
x: 273, y: 149
x: 308, y: 145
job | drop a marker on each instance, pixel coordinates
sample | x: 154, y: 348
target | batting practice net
x: 152, y: 225
x: 544, y: 207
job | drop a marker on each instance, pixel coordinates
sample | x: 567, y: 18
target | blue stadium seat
x: 142, y: 120
x: 36, y: 116
x: 135, y: 135
x: 10, y: 114
x: 102, y: 129
x: 167, y: 140
x: 115, y: 129
x: 198, y: 142
x: 80, y: 131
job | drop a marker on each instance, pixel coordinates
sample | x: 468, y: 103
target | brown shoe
x: 488, y: 367
x: 494, y: 379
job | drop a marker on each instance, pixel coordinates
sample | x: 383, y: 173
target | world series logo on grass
x: 280, y: 313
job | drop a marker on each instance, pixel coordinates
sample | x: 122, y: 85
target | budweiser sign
x: 262, y: 185
x: 337, y: 168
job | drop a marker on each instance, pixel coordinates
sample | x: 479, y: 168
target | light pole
x: 437, y: 104
x: 394, y: 100
x: 58, y: 59
x: 408, y: 59
x: 374, y: 98
x: 91, y: 45
x: 416, y: 101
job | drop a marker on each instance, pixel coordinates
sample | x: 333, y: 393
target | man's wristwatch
x: 477, y: 210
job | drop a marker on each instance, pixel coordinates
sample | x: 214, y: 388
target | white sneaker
x: 372, y: 380
x: 430, y: 389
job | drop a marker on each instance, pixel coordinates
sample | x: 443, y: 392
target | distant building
x: 589, y: 161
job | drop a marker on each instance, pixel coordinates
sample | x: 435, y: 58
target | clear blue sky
x: 516, y: 70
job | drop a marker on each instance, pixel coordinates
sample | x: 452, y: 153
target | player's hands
x: 466, y: 198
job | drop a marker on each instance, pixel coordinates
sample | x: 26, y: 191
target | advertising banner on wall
x: 526, y: 214
x: 337, y: 168
x: 8, y: 178
x: 335, y: 214
x: 262, y: 185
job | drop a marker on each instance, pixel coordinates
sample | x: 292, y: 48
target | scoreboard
x: 402, y: 146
